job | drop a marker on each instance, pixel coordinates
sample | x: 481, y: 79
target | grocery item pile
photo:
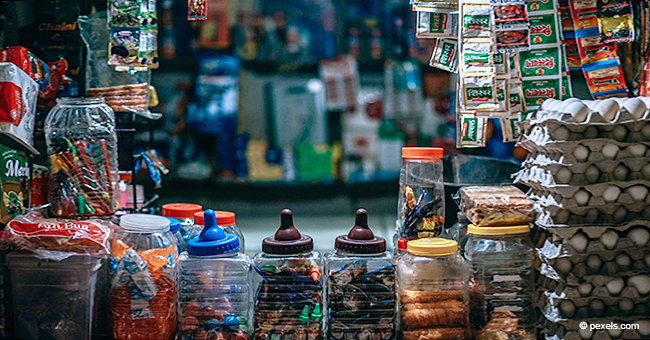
x: 589, y: 173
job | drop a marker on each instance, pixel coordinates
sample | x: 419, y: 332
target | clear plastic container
x: 184, y: 213
x: 225, y: 220
x: 502, y: 283
x: 175, y: 229
x: 433, y: 291
x: 143, y: 294
x: 421, y: 204
x: 214, y: 286
x: 458, y: 232
x: 82, y: 147
x: 288, y: 286
x: 55, y: 299
x: 361, y: 300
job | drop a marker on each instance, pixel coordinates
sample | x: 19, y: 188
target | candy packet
x: 471, y: 131
x: 445, y: 55
x: 476, y: 57
x: 437, y: 25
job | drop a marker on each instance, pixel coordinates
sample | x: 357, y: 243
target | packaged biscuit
x: 476, y: 57
x: 540, y: 62
x: 537, y: 90
x: 475, y: 21
x: 478, y: 93
x: 445, y: 55
x: 495, y: 206
x: 471, y: 131
x: 437, y: 25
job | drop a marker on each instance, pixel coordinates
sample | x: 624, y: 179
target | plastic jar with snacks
x: 502, y: 282
x: 421, y: 204
x: 142, y: 296
x: 82, y: 147
x: 433, y: 291
x: 361, y: 300
x: 225, y: 220
x: 214, y: 286
x: 288, y: 286
x: 175, y: 229
x: 184, y: 213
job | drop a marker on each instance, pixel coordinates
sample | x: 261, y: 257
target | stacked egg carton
x: 588, y: 171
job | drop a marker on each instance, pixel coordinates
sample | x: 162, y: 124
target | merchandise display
x: 225, y: 221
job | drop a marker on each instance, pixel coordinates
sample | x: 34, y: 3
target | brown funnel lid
x: 287, y: 239
x: 360, y: 239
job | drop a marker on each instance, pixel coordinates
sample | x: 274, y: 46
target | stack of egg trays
x: 589, y: 179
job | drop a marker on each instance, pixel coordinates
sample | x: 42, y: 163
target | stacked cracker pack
x: 589, y: 173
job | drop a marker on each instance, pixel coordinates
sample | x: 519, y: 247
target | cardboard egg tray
x: 597, y: 150
x: 580, y: 174
x: 593, y: 195
x: 570, y: 329
x: 608, y: 215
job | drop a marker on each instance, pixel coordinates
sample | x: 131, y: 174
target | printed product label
x: 539, y: 5
x: 470, y: 129
x: 540, y: 62
x: 499, y: 63
x: 445, y: 55
x: 89, y: 230
x: 476, y: 21
x: 543, y: 29
x: 437, y: 22
x: 537, y: 91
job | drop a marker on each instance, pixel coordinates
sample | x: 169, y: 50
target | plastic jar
x: 361, y: 300
x: 288, y: 286
x: 142, y: 297
x: 502, y: 281
x: 458, y: 232
x: 214, y: 286
x: 421, y: 204
x: 184, y: 213
x: 175, y: 229
x: 82, y: 147
x: 433, y: 291
x: 225, y: 220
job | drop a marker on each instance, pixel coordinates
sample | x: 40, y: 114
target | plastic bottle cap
x: 144, y: 223
x: 212, y: 240
x: 506, y: 230
x: 198, y: 218
x: 180, y: 211
x: 287, y: 239
x: 360, y: 239
x: 432, y: 247
x: 421, y: 153
x: 174, y: 224
x: 225, y: 217
x: 401, y: 244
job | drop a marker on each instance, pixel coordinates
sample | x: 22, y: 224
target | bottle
x: 288, y: 283
x: 502, y: 280
x: 225, y: 220
x: 214, y: 285
x: 184, y: 213
x: 361, y: 265
x: 433, y: 290
x: 175, y: 229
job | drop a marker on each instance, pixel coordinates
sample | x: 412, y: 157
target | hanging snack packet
x: 476, y: 21
x: 543, y: 29
x: 515, y: 97
x: 124, y: 47
x: 605, y: 79
x: 476, y: 57
x: 513, y: 38
x: 479, y: 93
x: 437, y: 25
x: 540, y: 62
x: 445, y: 55
x: 539, y: 5
x: 197, y: 9
x: 513, y: 65
x: 500, y: 64
x: 567, y: 91
x: 566, y: 22
x: 434, y: 6
x: 471, y: 131
x: 572, y: 54
x: 124, y: 13
x: 615, y: 21
x: 510, y: 128
x: 509, y: 13
x: 536, y: 91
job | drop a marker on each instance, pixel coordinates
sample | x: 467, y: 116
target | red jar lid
x: 180, y: 210
x: 223, y: 218
x: 287, y: 239
x: 360, y: 239
x: 421, y: 153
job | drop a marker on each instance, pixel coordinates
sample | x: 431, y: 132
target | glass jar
x: 361, y: 301
x: 458, y: 232
x: 421, y: 204
x: 184, y: 213
x: 288, y: 286
x: 82, y: 147
x: 175, y: 229
x: 142, y: 297
x: 214, y: 285
x: 502, y: 281
x: 432, y: 283
x: 225, y: 220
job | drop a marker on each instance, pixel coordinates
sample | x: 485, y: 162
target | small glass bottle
x: 288, y: 286
x: 184, y: 213
x: 432, y: 281
x: 214, y: 285
x: 502, y: 281
x: 361, y: 300
x: 225, y: 220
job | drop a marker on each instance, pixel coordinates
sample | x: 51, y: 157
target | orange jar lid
x: 421, y: 153
x: 180, y: 210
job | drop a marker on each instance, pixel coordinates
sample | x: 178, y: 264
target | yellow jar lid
x: 507, y: 230
x: 432, y: 247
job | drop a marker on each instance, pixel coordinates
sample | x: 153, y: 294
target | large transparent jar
x: 502, y: 282
x: 458, y: 232
x: 184, y: 213
x: 361, y: 300
x: 433, y: 291
x: 225, y: 220
x: 214, y: 285
x: 82, y: 147
x: 288, y: 286
x: 421, y: 204
x: 142, y: 296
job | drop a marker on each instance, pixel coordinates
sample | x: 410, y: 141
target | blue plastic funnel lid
x: 174, y: 224
x: 212, y: 240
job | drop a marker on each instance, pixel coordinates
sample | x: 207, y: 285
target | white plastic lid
x: 144, y: 223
